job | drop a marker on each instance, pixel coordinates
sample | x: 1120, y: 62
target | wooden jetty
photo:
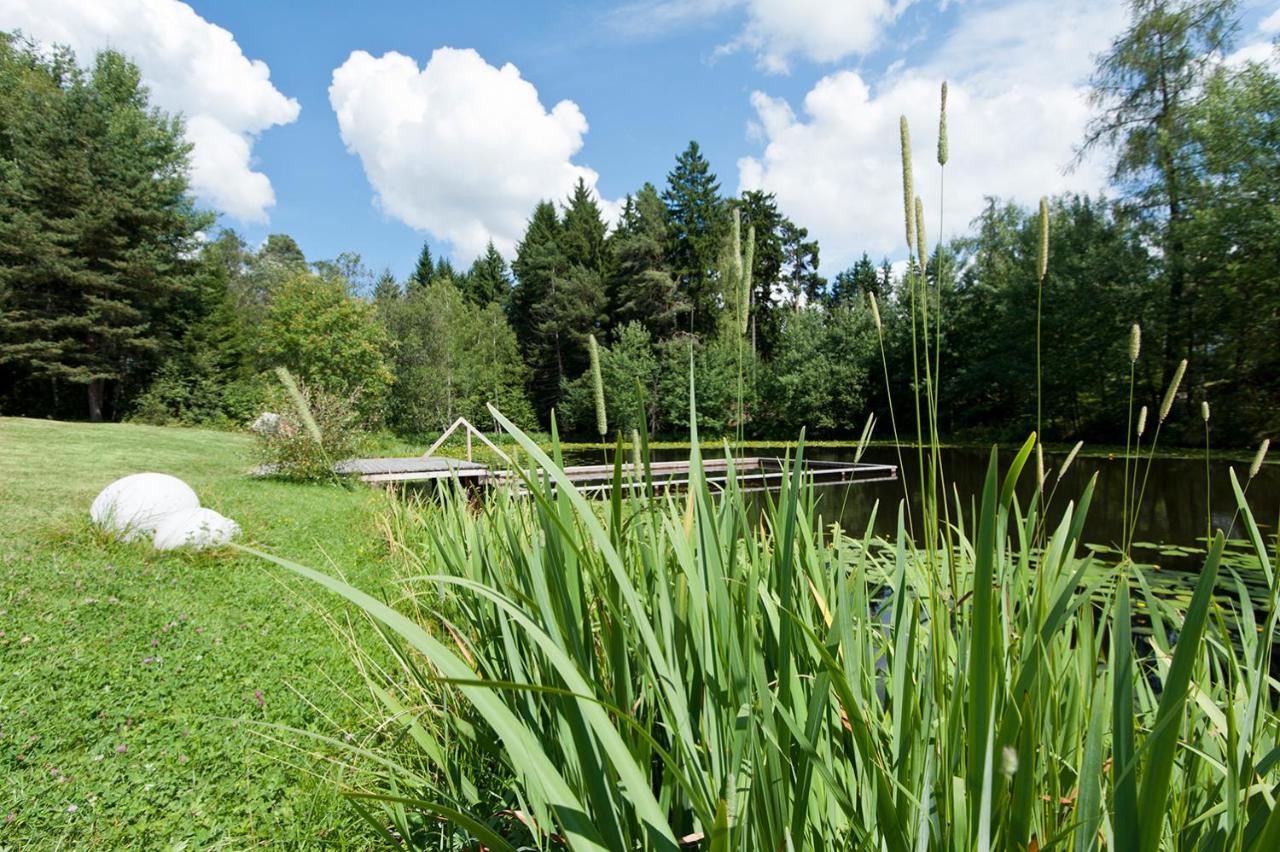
x: 752, y: 473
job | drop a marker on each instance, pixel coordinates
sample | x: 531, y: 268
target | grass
x: 126, y: 675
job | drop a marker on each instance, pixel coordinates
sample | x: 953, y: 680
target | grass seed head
x: 1039, y: 465
x: 1142, y: 421
x: 1172, y: 390
x: 942, y: 127
x: 1259, y: 458
x: 1204, y: 410
x: 1071, y: 456
x: 922, y: 242
x: 744, y: 297
x: 602, y: 418
x: 908, y: 187
x: 1043, y: 263
x: 875, y: 310
x: 1135, y: 342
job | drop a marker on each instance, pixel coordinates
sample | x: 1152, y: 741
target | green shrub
x: 307, y: 451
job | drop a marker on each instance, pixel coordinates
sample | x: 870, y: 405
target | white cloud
x: 1016, y: 109
x: 458, y: 148
x: 1271, y: 24
x: 774, y: 30
x: 818, y: 30
x: 191, y: 66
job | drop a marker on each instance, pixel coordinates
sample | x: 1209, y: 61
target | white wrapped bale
x: 195, y: 528
x: 135, y: 505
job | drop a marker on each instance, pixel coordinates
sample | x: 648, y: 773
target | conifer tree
x: 424, y: 270
x: 96, y: 226
x: 487, y: 281
x: 642, y: 288
x: 697, y: 223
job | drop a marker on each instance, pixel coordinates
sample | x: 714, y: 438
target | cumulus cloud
x: 818, y: 30
x: 1017, y: 109
x: 191, y: 66
x: 458, y: 148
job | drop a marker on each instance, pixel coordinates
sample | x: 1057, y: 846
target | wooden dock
x: 752, y: 473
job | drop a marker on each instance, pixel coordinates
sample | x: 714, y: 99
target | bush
x: 317, y: 429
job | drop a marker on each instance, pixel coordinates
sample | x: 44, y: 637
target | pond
x: 1173, y: 513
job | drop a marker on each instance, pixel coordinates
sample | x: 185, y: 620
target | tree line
x: 119, y: 300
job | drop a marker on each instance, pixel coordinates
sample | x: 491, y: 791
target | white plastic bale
x: 135, y: 505
x: 195, y: 528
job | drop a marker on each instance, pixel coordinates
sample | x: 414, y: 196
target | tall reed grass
x: 698, y: 670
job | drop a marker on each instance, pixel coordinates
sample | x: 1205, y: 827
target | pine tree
x: 539, y: 262
x: 697, y: 223
x: 487, y: 281
x: 800, y: 265
x: 582, y: 237
x: 96, y: 227
x: 852, y: 285
x: 642, y: 288
x: 424, y: 270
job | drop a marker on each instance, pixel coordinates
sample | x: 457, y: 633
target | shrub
x: 317, y: 429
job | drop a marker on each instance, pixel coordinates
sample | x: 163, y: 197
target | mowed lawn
x: 127, y: 676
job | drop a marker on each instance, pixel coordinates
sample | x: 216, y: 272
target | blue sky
x: 297, y: 131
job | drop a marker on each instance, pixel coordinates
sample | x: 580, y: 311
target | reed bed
x: 705, y: 671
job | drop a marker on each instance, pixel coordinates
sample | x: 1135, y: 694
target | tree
x: 539, y: 262
x: 582, y: 235
x: 799, y: 381
x: 452, y: 360
x: 207, y: 376
x: 330, y: 339
x: 487, y: 281
x: 800, y: 265
x: 96, y: 228
x: 642, y: 288
x: 424, y: 270
x: 1233, y: 240
x: 852, y: 285
x: 629, y: 368
x: 1143, y: 89
x: 697, y: 221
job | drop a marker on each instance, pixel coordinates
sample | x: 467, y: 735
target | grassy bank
x: 124, y: 673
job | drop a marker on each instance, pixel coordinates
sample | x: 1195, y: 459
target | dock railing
x: 462, y: 422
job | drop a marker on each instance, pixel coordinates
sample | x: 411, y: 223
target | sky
x: 372, y: 127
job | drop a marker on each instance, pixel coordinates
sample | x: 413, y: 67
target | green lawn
x: 125, y: 674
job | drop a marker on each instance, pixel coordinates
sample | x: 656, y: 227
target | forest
x: 122, y: 299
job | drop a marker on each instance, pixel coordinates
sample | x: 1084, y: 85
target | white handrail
x: 471, y: 430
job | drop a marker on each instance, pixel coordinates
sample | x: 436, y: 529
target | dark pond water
x: 1175, y: 508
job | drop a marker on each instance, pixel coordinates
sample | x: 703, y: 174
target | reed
x: 654, y: 672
